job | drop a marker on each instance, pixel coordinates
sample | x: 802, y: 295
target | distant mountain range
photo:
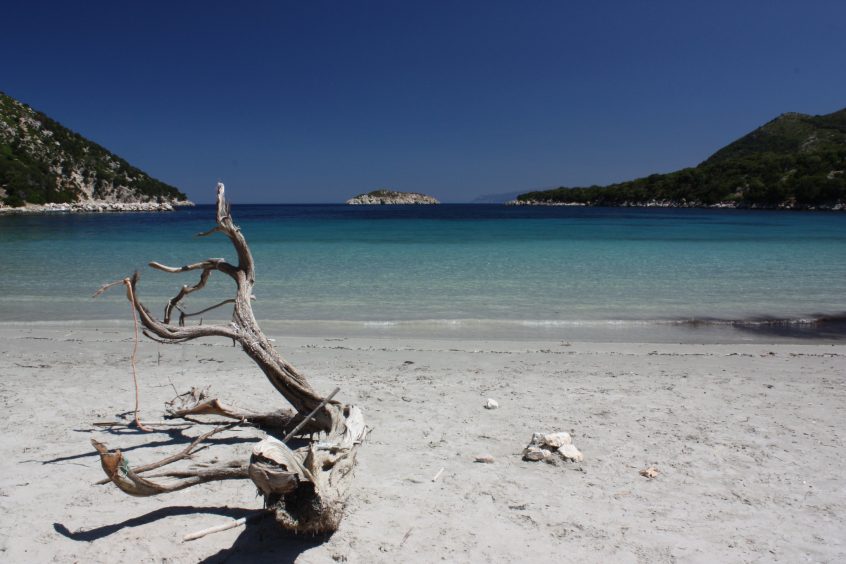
x: 42, y: 162
x: 795, y: 161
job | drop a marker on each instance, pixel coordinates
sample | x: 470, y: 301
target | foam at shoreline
x: 829, y: 328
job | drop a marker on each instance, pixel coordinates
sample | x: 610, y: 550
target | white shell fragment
x: 543, y: 445
x: 484, y: 459
x: 491, y: 404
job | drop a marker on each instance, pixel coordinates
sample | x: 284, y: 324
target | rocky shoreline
x: 839, y: 206
x: 95, y: 206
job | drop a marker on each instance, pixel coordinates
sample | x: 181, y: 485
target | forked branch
x: 129, y: 481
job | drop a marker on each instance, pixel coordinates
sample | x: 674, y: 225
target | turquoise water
x: 448, y: 268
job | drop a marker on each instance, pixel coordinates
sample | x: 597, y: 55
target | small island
x: 384, y: 196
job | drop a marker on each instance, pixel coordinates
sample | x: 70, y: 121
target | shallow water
x: 452, y: 269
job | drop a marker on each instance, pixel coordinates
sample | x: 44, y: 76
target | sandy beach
x: 747, y: 439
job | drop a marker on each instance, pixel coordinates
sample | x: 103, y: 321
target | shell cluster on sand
x: 544, y: 446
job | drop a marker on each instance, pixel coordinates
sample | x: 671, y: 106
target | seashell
x: 491, y: 404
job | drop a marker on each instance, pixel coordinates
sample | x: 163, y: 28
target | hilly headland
x: 795, y: 161
x: 45, y: 166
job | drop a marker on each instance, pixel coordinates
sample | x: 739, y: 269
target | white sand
x: 747, y: 438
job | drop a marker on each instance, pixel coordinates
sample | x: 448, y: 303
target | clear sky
x: 314, y: 101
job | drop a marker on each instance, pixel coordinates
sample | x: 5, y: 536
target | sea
x: 454, y: 271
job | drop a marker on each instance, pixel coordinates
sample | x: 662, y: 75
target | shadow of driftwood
x: 260, y: 541
x: 176, y: 437
x: 263, y: 541
x: 163, y: 513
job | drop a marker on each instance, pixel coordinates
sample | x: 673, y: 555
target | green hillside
x: 794, y: 161
x: 42, y: 162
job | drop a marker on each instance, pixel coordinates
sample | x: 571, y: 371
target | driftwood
x: 305, y: 487
x: 225, y: 527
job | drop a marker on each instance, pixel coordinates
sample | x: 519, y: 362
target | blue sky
x: 317, y: 101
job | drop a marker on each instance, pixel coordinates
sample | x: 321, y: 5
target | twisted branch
x: 306, y: 487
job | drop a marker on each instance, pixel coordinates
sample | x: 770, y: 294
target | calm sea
x: 456, y: 270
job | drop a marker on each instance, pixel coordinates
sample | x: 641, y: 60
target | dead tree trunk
x: 305, y: 487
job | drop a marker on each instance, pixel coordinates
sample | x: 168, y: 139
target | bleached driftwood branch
x: 305, y: 487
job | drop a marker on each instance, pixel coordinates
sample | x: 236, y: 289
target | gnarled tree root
x: 306, y: 488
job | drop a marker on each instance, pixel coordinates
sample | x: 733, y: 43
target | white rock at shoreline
x: 95, y: 206
x: 837, y: 206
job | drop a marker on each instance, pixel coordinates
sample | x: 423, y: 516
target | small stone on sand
x: 650, y: 472
x: 544, y: 444
x: 570, y: 452
x: 557, y: 440
x: 534, y: 453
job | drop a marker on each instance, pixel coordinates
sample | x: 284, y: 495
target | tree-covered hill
x: 794, y: 161
x: 43, y: 162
